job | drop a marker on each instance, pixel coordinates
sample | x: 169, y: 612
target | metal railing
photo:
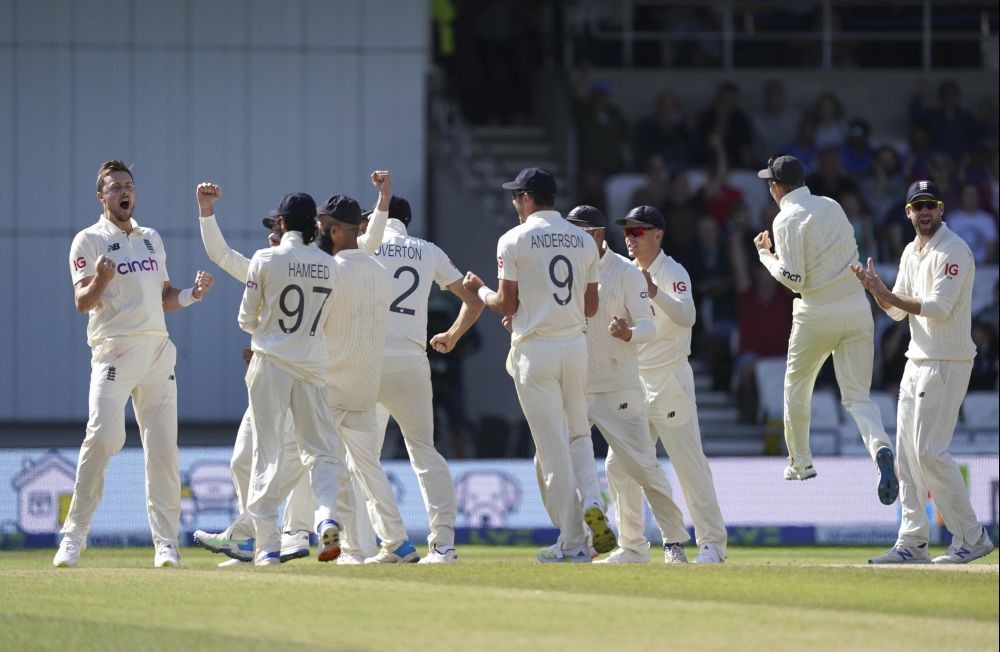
x: 599, y: 21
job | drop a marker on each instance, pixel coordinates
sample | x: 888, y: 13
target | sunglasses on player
x: 925, y: 204
x: 636, y: 231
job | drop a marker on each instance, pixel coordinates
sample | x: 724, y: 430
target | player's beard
x: 119, y: 214
x: 324, y: 241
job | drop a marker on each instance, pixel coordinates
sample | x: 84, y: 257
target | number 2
x: 394, y: 306
x: 565, y: 282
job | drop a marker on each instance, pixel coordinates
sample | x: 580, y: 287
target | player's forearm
x: 170, y: 299
x: 468, y: 314
x: 88, y: 296
x: 681, y: 312
x: 889, y: 300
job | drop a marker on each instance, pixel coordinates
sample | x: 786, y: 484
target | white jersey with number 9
x: 552, y: 261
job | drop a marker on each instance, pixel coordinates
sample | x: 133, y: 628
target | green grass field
x: 497, y: 598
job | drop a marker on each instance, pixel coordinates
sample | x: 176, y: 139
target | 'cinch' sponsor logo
x: 144, y: 265
x: 794, y: 278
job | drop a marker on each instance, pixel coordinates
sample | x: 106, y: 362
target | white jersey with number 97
x: 413, y: 264
x: 552, y: 261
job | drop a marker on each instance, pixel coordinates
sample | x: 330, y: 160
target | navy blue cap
x: 588, y: 215
x: 295, y: 206
x: 647, y: 216
x: 927, y: 189
x: 537, y: 180
x: 399, y: 209
x: 343, y: 209
x: 784, y: 169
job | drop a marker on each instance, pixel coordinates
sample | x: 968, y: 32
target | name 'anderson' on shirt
x: 552, y: 240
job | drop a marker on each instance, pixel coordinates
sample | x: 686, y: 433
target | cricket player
x: 934, y: 289
x: 357, y: 339
x: 405, y: 388
x: 668, y: 386
x: 615, y: 400
x: 548, y: 270
x: 814, y: 247
x: 119, y: 272
x: 286, y: 309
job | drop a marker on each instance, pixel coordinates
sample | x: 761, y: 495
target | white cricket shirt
x: 815, y: 247
x: 356, y: 330
x: 414, y: 264
x: 941, y: 276
x: 132, y: 302
x: 673, y: 315
x: 219, y: 252
x: 553, y: 261
x: 613, y: 365
x: 286, y: 304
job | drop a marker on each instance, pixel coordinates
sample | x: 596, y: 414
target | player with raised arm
x: 548, y: 270
x: 119, y: 272
x: 286, y: 308
x: 934, y: 290
x: 405, y: 388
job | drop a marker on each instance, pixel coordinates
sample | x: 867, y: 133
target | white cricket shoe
x: 405, y: 553
x: 350, y: 559
x: 294, y: 545
x: 69, y: 552
x: 329, y: 540
x: 440, y: 555
x: 232, y: 563
x: 554, y: 554
x: 602, y: 537
x: 241, y: 549
x: 166, y: 556
x: 626, y: 556
x: 963, y: 554
x: 708, y: 553
x: 673, y: 553
x: 267, y: 558
x: 900, y: 554
x: 800, y: 472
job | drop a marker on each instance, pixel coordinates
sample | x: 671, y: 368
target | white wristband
x: 186, y: 297
x: 485, y: 292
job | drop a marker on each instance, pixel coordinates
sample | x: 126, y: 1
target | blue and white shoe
x: 963, y: 554
x: 241, y: 549
x: 903, y: 554
x: 405, y: 553
x: 888, y: 484
x: 268, y: 558
x: 294, y: 545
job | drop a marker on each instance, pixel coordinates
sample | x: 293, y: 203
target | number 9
x: 565, y: 282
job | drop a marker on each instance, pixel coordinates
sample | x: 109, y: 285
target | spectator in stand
x: 857, y: 153
x: 864, y: 225
x: 831, y: 130
x: 654, y: 192
x: 717, y: 197
x: 668, y: 132
x: 679, y: 196
x: 883, y: 187
x: 917, y: 162
x: 715, y: 300
x: 944, y: 172
x: 986, y: 364
x: 953, y: 130
x: 725, y: 118
x: 602, y: 136
x: 804, y: 146
x: 974, y: 225
x: 775, y: 120
x: 991, y: 313
x: 829, y: 180
x: 979, y: 169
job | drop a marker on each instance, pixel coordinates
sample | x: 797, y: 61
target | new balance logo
x: 113, y: 247
x: 922, y: 394
x: 149, y: 245
x: 111, y: 373
x: 671, y: 414
x: 170, y: 377
x: 904, y: 553
x: 962, y: 553
x: 623, y: 406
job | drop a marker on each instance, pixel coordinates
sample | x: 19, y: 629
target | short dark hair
x: 107, y: 168
x: 305, y: 226
x: 542, y: 201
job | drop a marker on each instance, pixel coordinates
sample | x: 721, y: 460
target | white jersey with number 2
x: 553, y: 261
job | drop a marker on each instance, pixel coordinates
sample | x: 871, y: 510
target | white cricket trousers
x: 273, y: 392
x: 550, y: 376
x: 673, y: 417
x: 621, y: 417
x: 359, y: 433
x: 846, y: 329
x: 301, y: 503
x: 930, y: 396
x: 405, y: 393
x: 143, y: 368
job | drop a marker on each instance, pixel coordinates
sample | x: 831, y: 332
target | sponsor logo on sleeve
x: 680, y: 286
x: 794, y: 278
x: 951, y: 270
x: 500, y: 262
x: 79, y: 263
